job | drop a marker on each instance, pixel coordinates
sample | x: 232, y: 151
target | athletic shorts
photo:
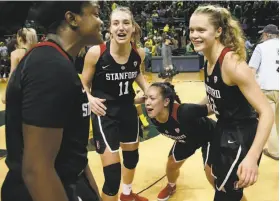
x: 119, y: 125
x: 14, y: 189
x: 230, y: 146
x: 204, y: 134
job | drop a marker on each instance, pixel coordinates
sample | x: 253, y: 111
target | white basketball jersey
x: 268, y: 71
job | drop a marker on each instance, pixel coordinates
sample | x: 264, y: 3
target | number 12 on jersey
x: 123, y: 88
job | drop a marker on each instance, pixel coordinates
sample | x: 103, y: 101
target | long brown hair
x: 135, y: 38
x: 232, y: 34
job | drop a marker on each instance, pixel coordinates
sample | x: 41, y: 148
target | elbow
x: 268, y: 114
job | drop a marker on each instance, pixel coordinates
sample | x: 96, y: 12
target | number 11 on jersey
x: 125, y: 90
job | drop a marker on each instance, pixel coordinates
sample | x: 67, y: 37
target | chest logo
x: 215, y: 79
x: 104, y: 67
x: 123, y: 67
x: 177, y: 130
x: 135, y: 63
x: 166, y: 131
x: 207, y: 79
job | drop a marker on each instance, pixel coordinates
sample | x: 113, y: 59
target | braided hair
x: 167, y: 91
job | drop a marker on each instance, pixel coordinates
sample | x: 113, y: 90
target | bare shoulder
x: 141, y: 53
x: 93, y: 54
x: 17, y: 53
x: 94, y: 50
x: 234, y: 69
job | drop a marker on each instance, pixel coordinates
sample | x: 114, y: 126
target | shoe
x: 132, y: 197
x: 166, y: 193
x: 265, y: 152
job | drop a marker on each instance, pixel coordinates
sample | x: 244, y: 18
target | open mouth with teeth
x: 149, y: 109
x: 197, y: 42
x: 121, y: 35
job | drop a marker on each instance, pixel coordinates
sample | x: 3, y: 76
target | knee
x: 130, y: 159
x: 112, y: 174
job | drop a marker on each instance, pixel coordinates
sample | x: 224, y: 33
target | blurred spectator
x: 249, y: 46
x: 189, y: 48
x: 148, y: 57
x: 3, y: 50
x: 148, y: 42
x: 158, y: 46
x: 237, y: 12
x: 114, y: 6
x: 155, y: 14
x: 265, y: 64
x: 166, y: 53
x: 26, y: 39
x: 166, y: 28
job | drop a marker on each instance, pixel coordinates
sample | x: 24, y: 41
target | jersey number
x: 212, y: 105
x: 125, y: 86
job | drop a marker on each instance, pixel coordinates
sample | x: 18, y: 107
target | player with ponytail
x: 186, y: 124
x: 235, y: 98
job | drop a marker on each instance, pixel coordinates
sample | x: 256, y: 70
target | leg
x: 209, y: 176
x: 130, y: 160
x: 276, y: 100
x: 177, y: 156
x: 173, y: 169
x: 130, y: 129
x: 208, y: 129
x: 172, y: 173
x: 272, y: 142
x: 129, y: 132
x: 112, y: 173
x: 106, y: 139
x: 228, y: 158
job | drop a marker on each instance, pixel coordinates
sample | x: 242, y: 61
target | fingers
x: 252, y: 179
x: 241, y: 176
x: 100, y: 104
x: 97, y: 110
x: 247, y: 177
x: 256, y: 178
x: 239, y: 170
x: 97, y: 107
